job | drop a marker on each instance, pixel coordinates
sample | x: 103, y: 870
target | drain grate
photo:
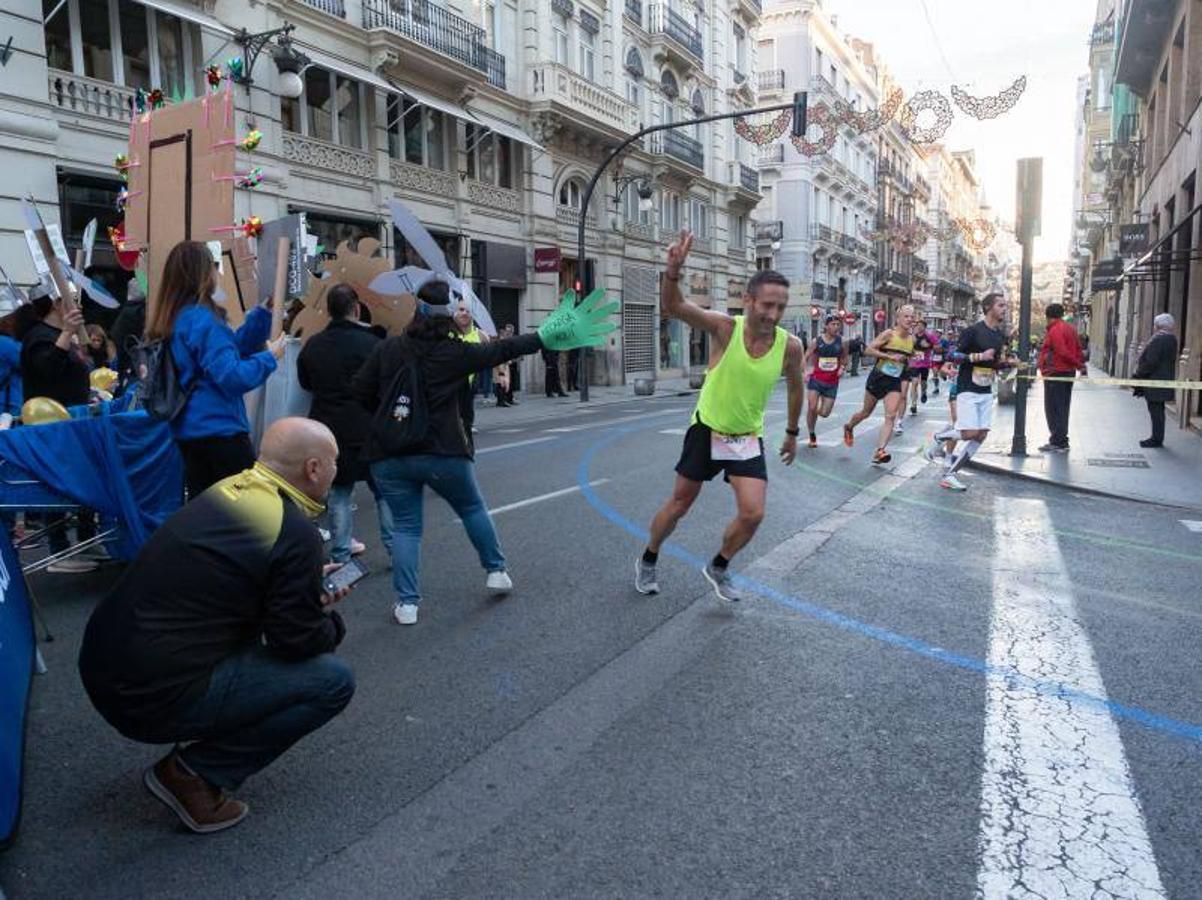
x: 1120, y: 463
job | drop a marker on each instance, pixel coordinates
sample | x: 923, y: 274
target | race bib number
x: 936, y: 358
x: 726, y: 447
x: 982, y: 376
x: 892, y: 369
x: 828, y: 363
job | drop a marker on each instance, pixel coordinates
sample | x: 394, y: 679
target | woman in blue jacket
x: 214, y: 363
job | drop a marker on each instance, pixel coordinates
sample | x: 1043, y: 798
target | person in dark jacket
x: 216, y: 364
x: 53, y: 363
x: 553, y: 385
x: 326, y: 367
x: 1158, y: 362
x: 443, y: 460
x: 127, y: 330
x: 220, y: 633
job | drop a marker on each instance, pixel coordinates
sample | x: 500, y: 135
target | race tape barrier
x: 1120, y: 382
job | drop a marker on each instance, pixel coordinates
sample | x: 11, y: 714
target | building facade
x: 486, y: 117
x: 1151, y: 180
x: 816, y: 209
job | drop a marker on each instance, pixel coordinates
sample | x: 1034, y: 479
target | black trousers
x: 1156, y: 411
x: 553, y: 384
x: 1057, y: 399
x: 208, y: 460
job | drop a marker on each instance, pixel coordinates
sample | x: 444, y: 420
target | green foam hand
x: 574, y: 325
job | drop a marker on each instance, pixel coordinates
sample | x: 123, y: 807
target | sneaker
x: 897, y: 428
x: 1053, y: 448
x: 813, y: 441
x: 924, y: 396
x: 405, y: 613
x: 936, y: 391
x: 934, y: 451
x: 199, y: 805
x: 720, y: 580
x: 952, y: 483
x: 357, y: 547
x: 1148, y: 442
x: 499, y: 582
x: 849, y: 437
x: 73, y: 565
x: 644, y: 577
x: 914, y: 408
x: 881, y: 457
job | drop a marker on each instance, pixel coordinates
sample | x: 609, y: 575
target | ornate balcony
x: 330, y: 7
x: 429, y: 26
x: 89, y: 96
x: 325, y: 155
x: 772, y: 156
x: 772, y: 81
x: 768, y: 232
x: 680, y: 147
x: 588, y: 106
x: 821, y: 89
x: 674, y: 37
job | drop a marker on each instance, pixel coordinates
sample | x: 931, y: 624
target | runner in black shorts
x: 892, y: 350
x: 827, y: 358
x: 696, y: 464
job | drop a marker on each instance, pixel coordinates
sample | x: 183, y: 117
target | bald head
x: 303, y: 452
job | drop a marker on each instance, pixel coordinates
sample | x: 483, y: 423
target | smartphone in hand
x: 344, y: 576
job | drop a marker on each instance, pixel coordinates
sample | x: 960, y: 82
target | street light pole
x: 584, y: 277
x: 1030, y: 199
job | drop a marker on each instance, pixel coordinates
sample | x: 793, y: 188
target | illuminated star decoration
x: 926, y: 101
x: 989, y: 107
x: 765, y: 133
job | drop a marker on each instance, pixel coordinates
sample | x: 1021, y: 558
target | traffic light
x: 799, y: 114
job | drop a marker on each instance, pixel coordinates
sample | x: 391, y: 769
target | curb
x: 994, y: 469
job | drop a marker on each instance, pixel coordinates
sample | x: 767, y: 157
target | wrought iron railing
x: 333, y: 7
x: 773, y: 153
x: 749, y: 178
x: 686, y: 149
x: 432, y: 26
x: 667, y: 21
x: 772, y: 80
x: 634, y: 11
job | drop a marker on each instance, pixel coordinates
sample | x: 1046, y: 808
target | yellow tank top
x: 737, y: 389
x: 472, y: 337
x: 895, y: 344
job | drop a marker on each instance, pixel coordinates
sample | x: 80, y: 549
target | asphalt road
x: 927, y: 695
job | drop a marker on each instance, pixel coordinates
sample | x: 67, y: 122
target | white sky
x: 989, y: 43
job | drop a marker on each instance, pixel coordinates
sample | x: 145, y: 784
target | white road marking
x: 530, y: 501
x: 1059, y: 813
x: 1193, y: 525
x: 673, y: 430
x: 513, y: 444
x: 507, y: 430
x: 567, y: 429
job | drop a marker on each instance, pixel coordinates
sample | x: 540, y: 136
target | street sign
x: 1133, y: 239
x: 546, y: 259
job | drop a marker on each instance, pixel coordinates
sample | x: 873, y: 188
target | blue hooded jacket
x: 222, y: 365
x: 11, y: 390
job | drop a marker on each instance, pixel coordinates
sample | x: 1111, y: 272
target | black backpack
x: 159, y: 390
x: 402, y: 421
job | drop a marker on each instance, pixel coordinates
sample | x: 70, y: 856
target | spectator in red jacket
x: 1059, y: 357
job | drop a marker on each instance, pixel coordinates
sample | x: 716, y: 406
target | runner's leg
x: 865, y: 411
x: 826, y: 406
x: 812, y: 401
x: 894, y: 404
x: 750, y: 497
x: 684, y: 492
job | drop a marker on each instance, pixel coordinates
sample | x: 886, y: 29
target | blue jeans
x: 402, y: 481
x: 342, y: 520
x: 257, y: 706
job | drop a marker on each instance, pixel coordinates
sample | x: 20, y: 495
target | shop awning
x: 189, y: 14
x: 425, y: 98
x: 505, y: 129
x: 1163, y: 258
x: 348, y: 69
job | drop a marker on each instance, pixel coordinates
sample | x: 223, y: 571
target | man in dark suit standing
x: 1158, y: 362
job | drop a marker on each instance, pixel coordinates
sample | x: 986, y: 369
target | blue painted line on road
x: 1014, y: 678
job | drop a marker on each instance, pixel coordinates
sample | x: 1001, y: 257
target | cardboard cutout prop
x: 359, y: 268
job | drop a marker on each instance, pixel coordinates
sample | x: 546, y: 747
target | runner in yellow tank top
x: 892, y: 350
x: 748, y: 355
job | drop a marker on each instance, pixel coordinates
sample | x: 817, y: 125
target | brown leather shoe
x: 200, y: 806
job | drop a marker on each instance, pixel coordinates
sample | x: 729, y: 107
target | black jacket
x: 50, y: 371
x: 1158, y: 362
x: 127, y: 332
x: 326, y: 367
x: 238, y: 565
x: 445, y: 366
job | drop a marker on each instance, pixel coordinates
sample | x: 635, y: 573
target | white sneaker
x: 952, y: 483
x: 73, y: 565
x: 405, y: 613
x: 499, y: 582
x: 897, y: 428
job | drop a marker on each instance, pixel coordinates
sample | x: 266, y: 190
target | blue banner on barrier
x: 16, y: 670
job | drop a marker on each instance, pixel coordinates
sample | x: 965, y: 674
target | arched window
x: 667, y: 84
x: 698, y: 102
x: 634, y: 63
x: 570, y: 193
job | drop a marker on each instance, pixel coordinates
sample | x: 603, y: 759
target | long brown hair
x: 187, y: 278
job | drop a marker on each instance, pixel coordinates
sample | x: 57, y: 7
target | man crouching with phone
x: 220, y: 636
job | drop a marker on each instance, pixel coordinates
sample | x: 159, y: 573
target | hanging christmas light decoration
x: 765, y: 133
x: 872, y: 119
x: 978, y: 233
x: 989, y: 107
x: 820, y: 115
x: 251, y: 179
x: 926, y: 101
x: 213, y: 76
x: 251, y: 141
x: 156, y: 99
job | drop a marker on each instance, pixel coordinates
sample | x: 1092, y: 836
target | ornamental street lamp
x: 288, y: 61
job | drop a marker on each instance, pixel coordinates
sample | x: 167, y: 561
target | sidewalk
x: 1104, y: 432
x: 533, y: 406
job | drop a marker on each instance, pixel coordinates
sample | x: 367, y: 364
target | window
x: 699, y: 218
x: 415, y: 133
x: 317, y: 98
x: 491, y: 158
x: 331, y: 109
x: 570, y: 194
x: 740, y: 50
x: 588, y: 54
x: 739, y: 239
x: 631, y: 206
x: 817, y: 61
x: 634, y: 93
x: 347, y: 100
x: 156, y: 48
x: 669, y: 212
x: 560, y: 29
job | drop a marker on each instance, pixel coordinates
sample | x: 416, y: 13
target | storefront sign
x: 1106, y: 274
x: 546, y: 259
x: 505, y: 265
x: 699, y: 284
x: 1133, y: 239
x: 879, y: 317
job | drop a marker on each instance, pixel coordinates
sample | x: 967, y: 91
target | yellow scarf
x: 262, y: 473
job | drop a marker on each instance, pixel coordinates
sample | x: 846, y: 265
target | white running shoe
x: 405, y: 613
x: 897, y: 428
x: 645, y: 581
x: 73, y: 565
x: 934, y: 451
x: 499, y: 582
x: 952, y: 483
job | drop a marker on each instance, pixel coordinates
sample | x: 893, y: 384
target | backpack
x: 159, y: 390
x: 402, y: 421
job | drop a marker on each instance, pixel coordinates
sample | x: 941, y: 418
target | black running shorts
x: 880, y: 385
x: 696, y: 465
